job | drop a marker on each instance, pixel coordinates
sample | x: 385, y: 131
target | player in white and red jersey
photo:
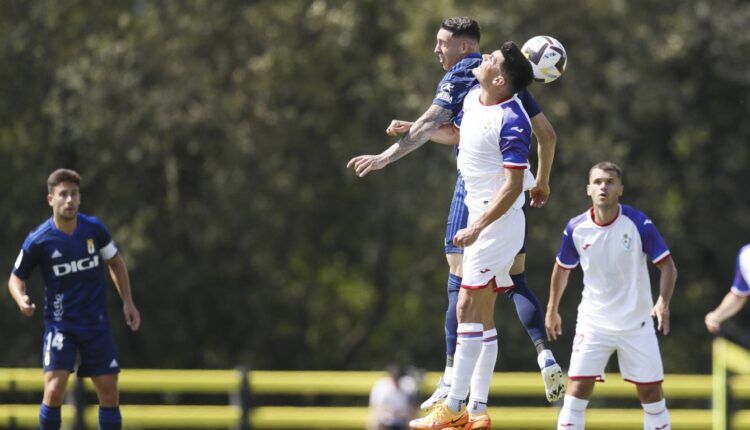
x: 495, y: 137
x: 737, y: 295
x: 612, y: 243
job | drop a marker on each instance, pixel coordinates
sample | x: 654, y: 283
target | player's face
x: 64, y: 200
x: 450, y: 50
x: 489, y: 68
x: 604, y: 188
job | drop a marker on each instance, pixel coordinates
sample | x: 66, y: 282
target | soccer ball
x: 547, y: 57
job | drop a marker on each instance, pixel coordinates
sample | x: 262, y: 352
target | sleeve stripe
x: 514, y: 166
x: 565, y: 266
x: 666, y: 254
x: 108, y: 251
x: 742, y: 293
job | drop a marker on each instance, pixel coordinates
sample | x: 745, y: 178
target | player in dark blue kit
x: 72, y: 251
x: 457, y: 49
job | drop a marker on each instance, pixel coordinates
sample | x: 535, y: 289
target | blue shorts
x: 96, y: 347
x: 459, y: 215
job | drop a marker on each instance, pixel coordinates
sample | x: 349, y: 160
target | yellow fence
x: 232, y: 382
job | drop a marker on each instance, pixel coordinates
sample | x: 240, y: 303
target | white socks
x: 573, y: 414
x: 448, y: 375
x: 482, y: 376
x: 468, y: 347
x: 656, y: 416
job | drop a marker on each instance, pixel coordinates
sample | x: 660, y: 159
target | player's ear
x: 49, y: 198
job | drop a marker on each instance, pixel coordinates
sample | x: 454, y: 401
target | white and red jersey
x: 742, y: 273
x: 617, y: 294
x: 492, y: 138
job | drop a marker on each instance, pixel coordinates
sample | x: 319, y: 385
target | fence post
x: 241, y: 398
x: 720, y: 388
x: 79, y: 403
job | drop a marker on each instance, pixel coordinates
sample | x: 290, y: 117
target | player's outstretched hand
x: 466, y: 236
x: 398, y: 127
x: 365, y: 164
x: 553, y: 324
x: 661, y: 313
x: 132, y: 316
x: 27, y: 308
x: 539, y: 195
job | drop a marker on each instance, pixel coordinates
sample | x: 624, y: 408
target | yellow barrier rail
x: 223, y: 382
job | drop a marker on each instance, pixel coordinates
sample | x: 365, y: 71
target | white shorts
x: 637, y: 354
x: 490, y: 257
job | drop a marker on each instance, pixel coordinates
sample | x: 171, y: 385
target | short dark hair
x: 462, y: 26
x: 515, y: 68
x: 62, y: 175
x: 607, y: 166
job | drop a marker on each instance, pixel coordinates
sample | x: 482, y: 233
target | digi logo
x: 76, y: 266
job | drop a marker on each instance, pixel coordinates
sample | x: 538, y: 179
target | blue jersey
x: 73, y: 270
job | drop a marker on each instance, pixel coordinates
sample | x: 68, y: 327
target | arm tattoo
x: 421, y: 131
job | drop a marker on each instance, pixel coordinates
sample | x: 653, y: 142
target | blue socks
x: 451, y: 320
x: 110, y: 418
x: 529, y: 311
x: 49, y: 417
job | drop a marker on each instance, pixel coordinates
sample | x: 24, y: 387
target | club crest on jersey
x: 626, y: 241
x: 90, y: 246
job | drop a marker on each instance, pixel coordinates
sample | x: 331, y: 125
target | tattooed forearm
x: 419, y: 133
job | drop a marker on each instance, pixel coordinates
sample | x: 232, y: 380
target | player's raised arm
x: 419, y: 133
x: 17, y: 288
x: 546, y: 141
x: 558, y: 284
x: 667, y: 282
x: 119, y: 273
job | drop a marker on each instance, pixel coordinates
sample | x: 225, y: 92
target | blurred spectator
x: 393, y: 400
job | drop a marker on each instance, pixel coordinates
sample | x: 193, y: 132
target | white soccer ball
x: 547, y: 57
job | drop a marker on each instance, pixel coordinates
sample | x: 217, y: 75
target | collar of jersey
x: 54, y: 227
x: 593, y: 220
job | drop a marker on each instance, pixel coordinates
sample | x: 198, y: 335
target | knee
x: 54, y: 392
x: 650, y: 393
x: 108, y: 397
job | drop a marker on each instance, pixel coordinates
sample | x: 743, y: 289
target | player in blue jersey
x: 72, y: 249
x: 457, y: 49
x: 736, y: 297
x: 612, y: 243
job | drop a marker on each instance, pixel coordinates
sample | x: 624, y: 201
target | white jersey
x: 742, y: 273
x: 493, y: 138
x: 616, y: 287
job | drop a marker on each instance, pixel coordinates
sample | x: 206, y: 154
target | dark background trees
x: 213, y: 138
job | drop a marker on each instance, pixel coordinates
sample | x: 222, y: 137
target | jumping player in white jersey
x: 457, y: 48
x: 613, y: 242
x: 72, y: 250
x: 737, y: 295
x: 495, y: 137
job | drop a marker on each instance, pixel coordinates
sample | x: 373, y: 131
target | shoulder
x: 465, y: 66
x: 576, y: 222
x: 91, y: 223
x: 38, y: 234
x: 89, y: 220
x: 637, y: 217
x: 744, y: 255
